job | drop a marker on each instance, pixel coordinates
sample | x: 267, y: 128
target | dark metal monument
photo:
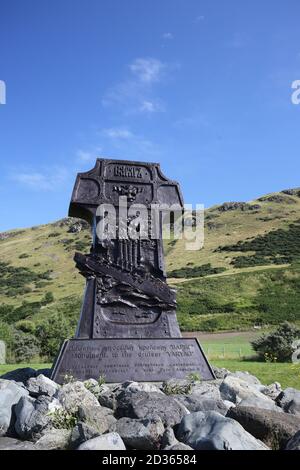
x: 128, y: 328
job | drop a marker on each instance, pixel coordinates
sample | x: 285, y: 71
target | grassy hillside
x: 215, y: 291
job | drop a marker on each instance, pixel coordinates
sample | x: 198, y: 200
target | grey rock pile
x: 233, y: 412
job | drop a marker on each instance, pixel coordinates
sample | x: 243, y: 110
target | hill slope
x: 246, y: 273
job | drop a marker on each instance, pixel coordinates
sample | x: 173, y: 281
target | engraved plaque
x: 119, y: 360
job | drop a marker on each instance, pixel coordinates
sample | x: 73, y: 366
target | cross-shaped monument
x: 128, y: 328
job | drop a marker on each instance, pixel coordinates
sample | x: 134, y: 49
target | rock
x: 10, y: 394
x: 258, y: 403
x: 140, y: 387
x: 110, y: 441
x: 54, y: 439
x: 271, y: 427
x: 46, y: 372
x: 140, y: 433
x: 220, y: 373
x: 20, y: 375
x: 75, y: 394
x: 97, y: 417
x: 93, y: 386
x: 235, y: 389
x: 211, y: 431
x: 209, y: 390
x: 32, y: 417
x: 272, y: 391
x: 9, y: 443
x: 41, y: 385
x: 289, y: 401
x: 178, y: 446
x: 82, y: 432
x: 168, y: 439
x: 148, y: 405
x: 108, y: 397
x: 250, y: 379
x: 199, y: 403
x: 294, y: 442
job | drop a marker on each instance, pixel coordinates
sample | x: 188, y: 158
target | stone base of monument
x: 142, y: 360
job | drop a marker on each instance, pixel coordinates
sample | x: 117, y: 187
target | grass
x: 288, y: 375
x: 8, y: 367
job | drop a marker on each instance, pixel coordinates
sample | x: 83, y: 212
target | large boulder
x: 140, y: 387
x: 82, y: 432
x: 271, y: 427
x: 250, y: 379
x: 199, y: 403
x: 33, y: 416
x: 289, y: 401
x: 140, y: 433
x: 149, y: 405
x: 236, y: 389
x: 272, y: 391
x: 75, y: 394
x: 97, y: 417
x: 108, y: 396
x: 260, y: 403
x: 10, y: 394
x: 41, y: 385
x: 20, y: 375
x: 9, y: 443
x: 211, y: 431
x: 294, y: 442
x: 110, y: 441
x: 54, y: 439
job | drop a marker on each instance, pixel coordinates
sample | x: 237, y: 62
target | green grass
x: 8, y: 367
x: 288, y: 375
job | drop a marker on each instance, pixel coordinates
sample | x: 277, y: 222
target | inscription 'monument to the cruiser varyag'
x: 128, y: 328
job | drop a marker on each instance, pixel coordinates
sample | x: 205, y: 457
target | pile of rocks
x: 235, y: 411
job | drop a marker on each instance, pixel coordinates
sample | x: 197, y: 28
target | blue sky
x: 203, y: 87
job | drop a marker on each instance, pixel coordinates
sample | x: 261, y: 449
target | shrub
x: 52, y: 332
x: 48, y: 298
x: 25, y: 346
x: 277, y: 344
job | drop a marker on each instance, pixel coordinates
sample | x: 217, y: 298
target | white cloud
x: 168, y: 36
x: 199, y: 18
x: 147, y: 70
x: 86, y: 156
x: 48, y: 181
x: 125, y: 141
x: 137, y: 93
x: 151, y: 106
x: 117, y: 133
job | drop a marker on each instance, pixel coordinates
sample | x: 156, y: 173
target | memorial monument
x: 128, y: 328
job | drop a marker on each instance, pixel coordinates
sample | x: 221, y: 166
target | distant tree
x: 51, y: 333
x: 277, y: 346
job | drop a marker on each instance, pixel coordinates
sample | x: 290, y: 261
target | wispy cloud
x: 117, y: 133
x: 42, y: 181
x: 87, y: 156
x: 137, y: 93
x: 124, y: 140
x: 199, y: 18
x: 168, y: 36
x: 147, y: 70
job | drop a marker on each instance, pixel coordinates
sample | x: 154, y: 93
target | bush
x: 277, y: 345
x: 25, y: 346
x: 48, y: 298
x: 52, y: 332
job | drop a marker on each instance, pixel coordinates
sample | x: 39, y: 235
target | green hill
x: 247, y: 273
